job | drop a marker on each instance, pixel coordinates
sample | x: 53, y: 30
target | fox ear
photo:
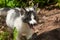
x: 22, y: 11
x: 35, y: 6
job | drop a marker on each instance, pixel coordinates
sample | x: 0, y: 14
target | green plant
x: 4, y: 35
x: 25, y: 3
x: 15, y: 33
x: 2, y: 3
x: 58, y: 3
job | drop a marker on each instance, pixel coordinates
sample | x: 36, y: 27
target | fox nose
x: 32, y: 25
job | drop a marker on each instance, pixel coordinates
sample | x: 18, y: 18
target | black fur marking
x: 27, y: 17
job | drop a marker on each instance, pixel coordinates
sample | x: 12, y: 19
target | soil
x: 48, y: 27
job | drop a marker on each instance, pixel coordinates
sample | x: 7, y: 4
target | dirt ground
x: 48, y: 24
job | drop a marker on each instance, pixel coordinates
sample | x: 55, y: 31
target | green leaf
x: 10, y: 4
x: 15, y: 33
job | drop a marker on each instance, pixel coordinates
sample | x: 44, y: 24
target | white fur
x: 9, y: 18
x: 21, y: 27
x: 1, y: 9
x: 29, y: 9
x: 32, y: 21
x: 18, y: 8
